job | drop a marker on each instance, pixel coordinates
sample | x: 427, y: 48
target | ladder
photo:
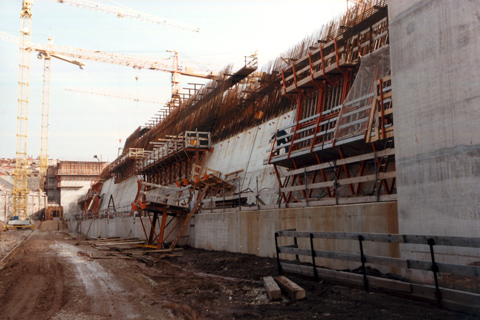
x: 189, y: 216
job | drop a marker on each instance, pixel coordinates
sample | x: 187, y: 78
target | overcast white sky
x: 84, y: 125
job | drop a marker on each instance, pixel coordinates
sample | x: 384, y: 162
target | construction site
x: 335, y: 181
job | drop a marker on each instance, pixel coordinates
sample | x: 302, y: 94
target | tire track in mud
x: 48, y: 278
x: 33, y: 283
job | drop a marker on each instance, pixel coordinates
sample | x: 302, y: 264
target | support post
x: 280, y: 196
x: 258, y: 202
x: 315, y: 273
x: 377, y: 191
x: 363, y: 259
x: 162, y: 230
x: 438, y: 294
x: 239, y: 197
x: 335, y: 176
x: 295, y: 242
x: 306, y: 188
x: 279, y: 266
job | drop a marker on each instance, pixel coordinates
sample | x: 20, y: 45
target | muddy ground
x: 53, y: 275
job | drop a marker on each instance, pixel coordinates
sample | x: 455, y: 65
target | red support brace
x: 273, y: 146
x: 346, y: 171
x: 382, y: 109
x: 323, y: 67
x: 285, y: 88
x: 337, y: 60
x: 295, y: 80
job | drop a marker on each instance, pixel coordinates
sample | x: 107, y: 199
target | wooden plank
x: 324, y: 273
x: 273, y: 290
x: 366, y: 156
x: 117, y: 243
x: 387, y: 237
x: 355, y: 257
x: 349, y: 200
x: 468, y: 271
x: 345, y: 181
x: 291, y: 289
x: 233, y: 172
x: 444, y: 240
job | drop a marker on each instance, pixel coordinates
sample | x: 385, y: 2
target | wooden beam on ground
x: 273, y: 290
x: 291, y: 289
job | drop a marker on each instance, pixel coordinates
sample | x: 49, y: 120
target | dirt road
x: 47, y: 279
x: 52, y: 276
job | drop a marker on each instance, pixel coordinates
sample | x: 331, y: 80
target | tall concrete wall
x: 69, y: 198
x: 246, y: 151
x: 123, y: 194
x: 435, y: 61
x: 253, y: 231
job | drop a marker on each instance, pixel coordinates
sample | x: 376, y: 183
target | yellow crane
x: 19, y: 217
x: 136, y: 62
x: 47, y: 58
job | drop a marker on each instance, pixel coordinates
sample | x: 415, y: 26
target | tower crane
x: 21, y: 172
x: 43, y: 159
x: 127, y: 13
x: 136, y: 62
x: 20, y: 184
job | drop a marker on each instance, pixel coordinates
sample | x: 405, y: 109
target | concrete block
x: 273, y: 290
x: 290, y: 288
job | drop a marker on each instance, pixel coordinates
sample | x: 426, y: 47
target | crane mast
x: 43, y: 165
x: 47, y: 57
x: 20, y: 185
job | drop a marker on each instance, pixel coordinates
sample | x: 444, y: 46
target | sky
x: 83, y: 125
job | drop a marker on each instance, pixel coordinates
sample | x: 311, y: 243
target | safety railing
x: 362, y: 257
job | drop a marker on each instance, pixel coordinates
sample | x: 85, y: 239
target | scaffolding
x: 124, y: 166
x: 340, y: 144
x: 173, y: 157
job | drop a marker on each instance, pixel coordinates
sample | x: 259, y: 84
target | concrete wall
x: 246, y: 151
x: 123, y: 193
x: 253, y: 231
x: 69, y: 198
x: 435, y: 61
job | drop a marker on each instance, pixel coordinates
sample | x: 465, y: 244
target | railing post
x: 239, y: 197
x: 279, y: 266
x: 335, y: 176
x: 364, y: 260
x: 296, y: 246
x: 315, y: 273
x: 377, y: 191
x: 306, y: 188
x: 280, y: 196
x: 438, y: 294
x: 258, y: 202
